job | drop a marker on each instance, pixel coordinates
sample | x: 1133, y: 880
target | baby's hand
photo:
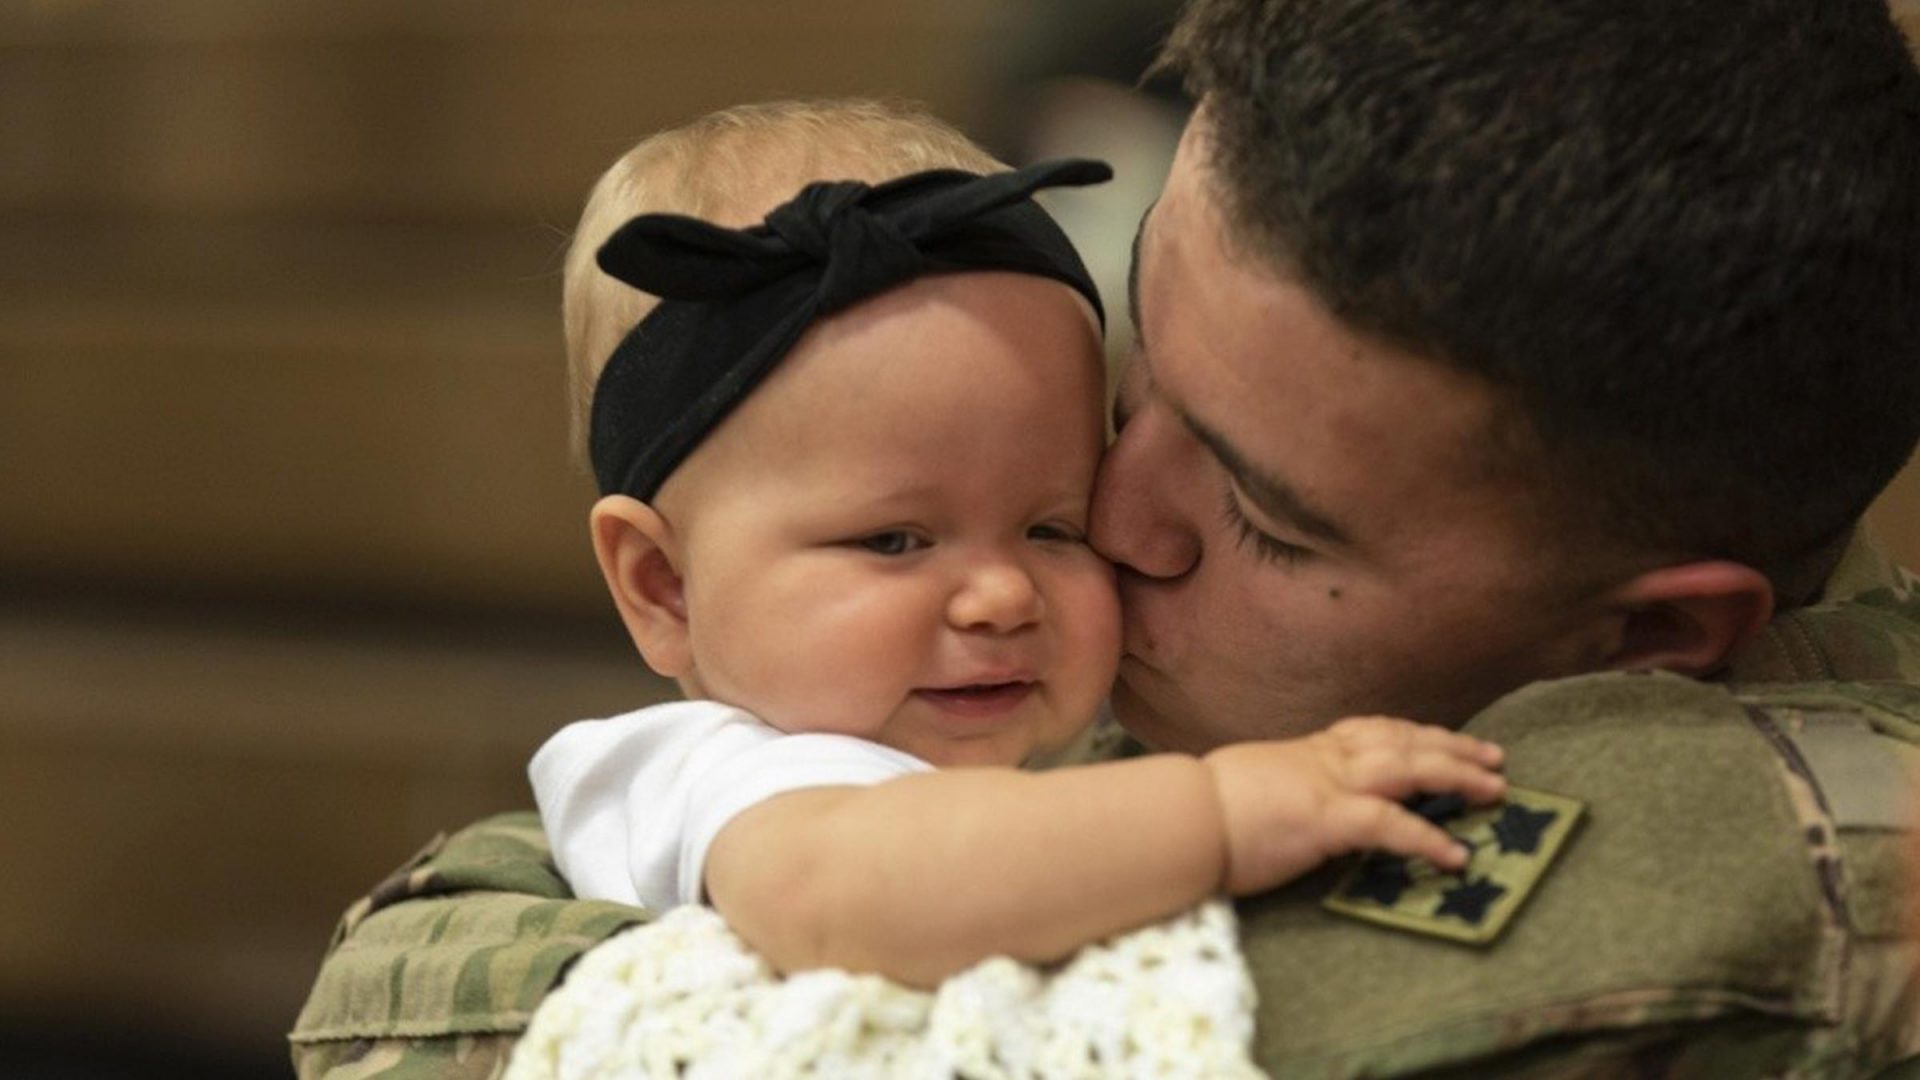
x: 1290, y: 805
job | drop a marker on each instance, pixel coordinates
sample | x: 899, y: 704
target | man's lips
x: 982, y: 699
x: 1136, y: 655
x: 1138, y: 640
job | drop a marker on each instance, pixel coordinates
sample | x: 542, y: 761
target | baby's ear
x: 640, y: 560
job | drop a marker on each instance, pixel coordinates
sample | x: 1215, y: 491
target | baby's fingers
x: 1369, y: 823
x: 1361, y: 733
x: 1461, y: 746
x: 1395, y: 774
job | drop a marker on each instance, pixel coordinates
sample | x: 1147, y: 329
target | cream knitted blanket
x: 682, y: 997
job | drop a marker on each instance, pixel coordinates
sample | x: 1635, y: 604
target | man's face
x: 1304, y: 519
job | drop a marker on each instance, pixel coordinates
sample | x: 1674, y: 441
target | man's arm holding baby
x: 922, y: 876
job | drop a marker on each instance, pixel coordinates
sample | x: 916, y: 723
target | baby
x: 846, y: 459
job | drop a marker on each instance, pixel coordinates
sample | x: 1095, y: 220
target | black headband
x: 734, y: 301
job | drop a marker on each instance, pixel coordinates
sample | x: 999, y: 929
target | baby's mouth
x: 979, y: 699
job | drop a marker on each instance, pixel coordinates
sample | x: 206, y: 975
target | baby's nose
x: 997, y: 596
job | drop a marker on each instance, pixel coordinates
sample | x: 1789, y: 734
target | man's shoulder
x: 443, y: 963
x: 1711, y: 897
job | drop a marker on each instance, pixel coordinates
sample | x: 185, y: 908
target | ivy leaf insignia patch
x: 1512, y: 843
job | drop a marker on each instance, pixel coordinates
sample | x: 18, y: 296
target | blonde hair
x: 731, y: 167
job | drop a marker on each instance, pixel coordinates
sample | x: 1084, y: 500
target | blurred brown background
x: 292, y: 566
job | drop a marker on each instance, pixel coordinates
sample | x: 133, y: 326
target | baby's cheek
x: 1104, y: 595
x: 1095, y: 622
x: 743, y: 664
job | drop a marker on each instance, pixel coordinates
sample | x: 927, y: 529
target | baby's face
x: 887, y: 539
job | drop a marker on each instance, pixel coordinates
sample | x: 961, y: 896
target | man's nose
x: 996, y: 595
x: 1141, y: 515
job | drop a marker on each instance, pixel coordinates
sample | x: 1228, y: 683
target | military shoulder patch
x: 1513, y: 844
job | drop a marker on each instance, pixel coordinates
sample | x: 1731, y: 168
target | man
x: 1516, y: 365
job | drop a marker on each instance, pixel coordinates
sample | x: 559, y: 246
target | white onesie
x: 631, y: 804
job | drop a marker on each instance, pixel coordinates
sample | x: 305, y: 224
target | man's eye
x: 891, y: 542
x: 1251, y: 538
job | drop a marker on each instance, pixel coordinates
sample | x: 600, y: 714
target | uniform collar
x: 1865, y: 624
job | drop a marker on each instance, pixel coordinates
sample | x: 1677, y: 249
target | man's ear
x: 641, y: 563
x: 1689, y: 618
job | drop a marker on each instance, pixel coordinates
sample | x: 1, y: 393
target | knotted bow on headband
x: 733, y: 302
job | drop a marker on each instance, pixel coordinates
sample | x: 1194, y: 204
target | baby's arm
x: 922, y: 876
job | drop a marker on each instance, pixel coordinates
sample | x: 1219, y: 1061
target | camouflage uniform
x: 1733, y: 902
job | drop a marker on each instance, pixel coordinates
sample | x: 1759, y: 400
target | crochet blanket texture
x: 682, y: 997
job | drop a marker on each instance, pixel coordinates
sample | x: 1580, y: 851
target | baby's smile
x: 981, y: 700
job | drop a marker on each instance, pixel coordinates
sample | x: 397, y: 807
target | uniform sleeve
x: 435, y: 973
x: 631, y: 804
x: 1698, y: 913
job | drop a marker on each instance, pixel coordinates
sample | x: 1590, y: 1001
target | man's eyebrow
x: 1133, y: 274
x: 1274, y: 496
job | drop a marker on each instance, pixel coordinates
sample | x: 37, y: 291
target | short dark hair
x: 1684, y: 238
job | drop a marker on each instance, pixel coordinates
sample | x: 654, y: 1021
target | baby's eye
x: 892, y: 542
x: 1056, y: 532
